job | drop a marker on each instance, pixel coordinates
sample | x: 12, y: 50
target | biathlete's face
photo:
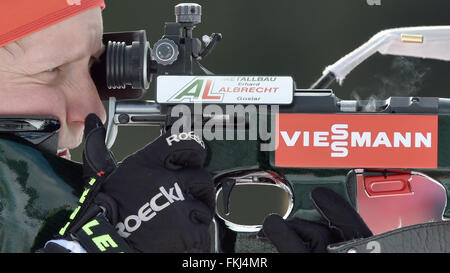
x: 47, y: 74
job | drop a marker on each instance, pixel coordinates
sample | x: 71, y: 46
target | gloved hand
x: 301, y: 236
x: 159, y: 199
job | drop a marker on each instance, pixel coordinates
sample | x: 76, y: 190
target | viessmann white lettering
x: 339, y: 139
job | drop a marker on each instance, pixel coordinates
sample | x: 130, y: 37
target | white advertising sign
x: 225, y: 89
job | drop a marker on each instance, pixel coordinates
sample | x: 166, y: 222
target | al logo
x: 197, y: 90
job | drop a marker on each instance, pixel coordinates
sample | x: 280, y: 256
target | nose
x: 83, y: 100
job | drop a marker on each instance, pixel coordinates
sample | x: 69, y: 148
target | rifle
x: 386, y: 157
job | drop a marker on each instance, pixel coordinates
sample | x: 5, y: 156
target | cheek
x: 35, y: 100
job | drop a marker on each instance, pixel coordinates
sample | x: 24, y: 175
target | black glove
x: 302, y: 236
x: 159, y: 199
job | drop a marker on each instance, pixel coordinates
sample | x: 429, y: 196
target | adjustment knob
x: 165, y: 52
x: 188, y: 13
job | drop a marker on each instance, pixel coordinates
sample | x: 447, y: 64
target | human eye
x: 50, y: 70
x: 50, y: 73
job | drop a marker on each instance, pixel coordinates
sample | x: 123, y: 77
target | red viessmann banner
x: 352, y: 141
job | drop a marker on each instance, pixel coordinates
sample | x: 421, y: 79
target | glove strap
x: 97, y: 235
x: 403, y: 240
x: 89, y: 225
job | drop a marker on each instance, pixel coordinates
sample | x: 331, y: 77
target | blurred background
x: 297, y: 38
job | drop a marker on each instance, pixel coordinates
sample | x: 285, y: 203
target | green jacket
x: 38, y: 191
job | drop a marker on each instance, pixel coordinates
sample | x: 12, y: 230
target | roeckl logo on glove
x: 149, y: 210
x: 185, y: 136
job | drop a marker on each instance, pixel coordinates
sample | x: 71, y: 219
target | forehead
x: 66, y: 41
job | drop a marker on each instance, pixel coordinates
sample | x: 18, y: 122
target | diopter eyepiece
x: 124, y: 69
x: 128, y: 65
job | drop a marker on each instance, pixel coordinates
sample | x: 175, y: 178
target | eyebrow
x: 90, y: 47
x: 80, y: 53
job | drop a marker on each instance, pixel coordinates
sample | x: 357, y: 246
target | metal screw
x: 123, y: 118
